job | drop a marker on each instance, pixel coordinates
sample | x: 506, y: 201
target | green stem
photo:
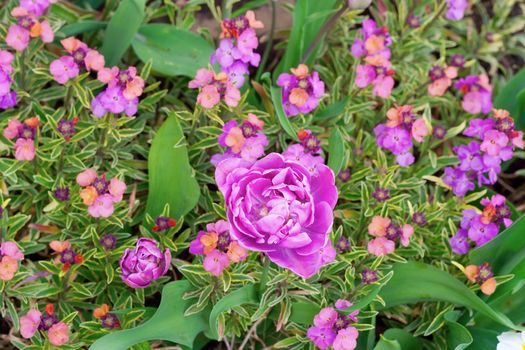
x: 269, y: 43
x: 23, y: 70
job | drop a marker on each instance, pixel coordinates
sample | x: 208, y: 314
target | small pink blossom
x: 86, y: 177
x: 406, y: 232
x: 232, y: 96
x: 326, y: 318
x: 46, y: 33
x: 11, y: 249
x: 493, y: 142
x: 17, y: 37
x: 419, y: 130
x: 64, y: 69
x: 117, y: 189
x: 29, y: 323
x: 209, y: 96
x: 12, y: 129
x: 24, y: 149
x: 102, y: 207
x: 215, y: 262
x: 383, y: 86
x: 94, y: 61
x: 346, y: 339
x: 8, y: 268
x: 342, y: 304
x: 517, y: 139
x: 378, y: 226
x: 58, y: 334
x: 381, y: 246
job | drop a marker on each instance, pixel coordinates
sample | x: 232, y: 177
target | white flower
x: 511, y: 341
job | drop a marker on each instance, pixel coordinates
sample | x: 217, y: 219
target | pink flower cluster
x: 386, y: 233
x: 7, y: 97
x: 481, y: 161
x: 397, y: 133
x: 302, y: 90
x: 34, y: 320
x: 100, y: 194
x: 333, y: 328
x: 214, y: 87
x: 477, y: 93
x: 28, y: 25
x: 244, y: 141
x: 482, y: 227
x: 25, y: 134
x: 10, y: 255
x: 80, y: 57
x: 441, y: 79
x: 219, y: 248
x: 377, y: 70
x: 122, y: 93
x: 236, y: 50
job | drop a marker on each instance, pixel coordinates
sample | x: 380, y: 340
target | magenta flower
x: 301, y: 91
x: 482, y: 233
x: 456, y: 9
x: 276, y: 206
x: 459, y: 242
x: 64, y: 69
x: 493, y: 142
x: 11, y: 249
x: 346, y: 339
x: 144, y: 264
x: 477, y: 92
x: 17, y: 37
x: 29, y: 323
x: 25, y: 149
x: 323, y: 338
x: 215, y: 262
x: 58, y: 334
x: 326, y: 318
x: 102, y: 207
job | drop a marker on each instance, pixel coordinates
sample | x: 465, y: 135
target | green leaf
x: 434, y: 284
x: 173, y: 51
x: 309, y: 16
x: 398, y: 339
x: 505, y: 251
x: 333, y: 110
x: 171, y: 178
x: 279, y: 111
x: 336, y: 151
x: 458, y: 336
x: 168, y: 323
x: 77, y: 28
x: 244, y: 295
x: 121, y: 29
x: 509, y: 98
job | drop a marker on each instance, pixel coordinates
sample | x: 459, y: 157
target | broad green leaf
x: 396, y: 338
x: 172, y: 51
x: 458, y: 336
x: 336, y: 150
x: 171, y: 178
x: 509, y: 98
x: 434, y: 284
x: 505, y: 251
x: 333, y: 110
x: 77, y: 28
x: 244, y: 295
x: 309, y: 16
x: 168, y: 323
x: 279, y: 111
x: 121, y: 29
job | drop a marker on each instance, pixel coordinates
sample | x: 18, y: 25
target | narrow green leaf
x: 279, y: 111
x: 336, y: 151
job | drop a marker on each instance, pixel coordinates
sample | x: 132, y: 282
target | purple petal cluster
x: 480, y: 159
x: 301, y: 91
x: 333, y: 328
x: 477, y: 93
x: 456, y: 9
x: 122, y: 93
x: 7, y: 96
x: 481, y: 228
x: 144, y: 264
x: 278, y: 206
x: 80, y: 57
x: 245, y: 141
x: 377, y: 70
x: 236, y: 51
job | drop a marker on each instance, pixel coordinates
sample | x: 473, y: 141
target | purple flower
x: 419, y: 218
x: 66, y: 128
x: 67, y: 256
x: 381, y: 194
x: 477, y: 92
x: 457, y: 60
x: 439, y: 132
x: 413, y: 21
x: 47, y: 321
x: 482, y: 233
x: 470, y: 157
x: 343, y: 245
x: 224, y: 54
x: 478, y: 127
x: 301, y: 91
x: 345, y: 175
x: 64, y: 69
x: 456, y: 9
x: 144, y: 264
x: 369, y: 276
x: 326, y: 317
x: 278, y: 207
x: 459, y: 242
x: 8, y: 100
x: 297, y: 153
x: 108, y: 241
x: 458, y: 180
x: 110, y: 321
x: 323, y: 338
x: 61, y: 193
x: 112, y: 100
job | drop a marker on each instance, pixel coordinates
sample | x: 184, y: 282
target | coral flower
x: 58, y: 334
x: 89, y: 195
x: 381, y: 246
x: 378, y: 226
x: 24, y: 149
